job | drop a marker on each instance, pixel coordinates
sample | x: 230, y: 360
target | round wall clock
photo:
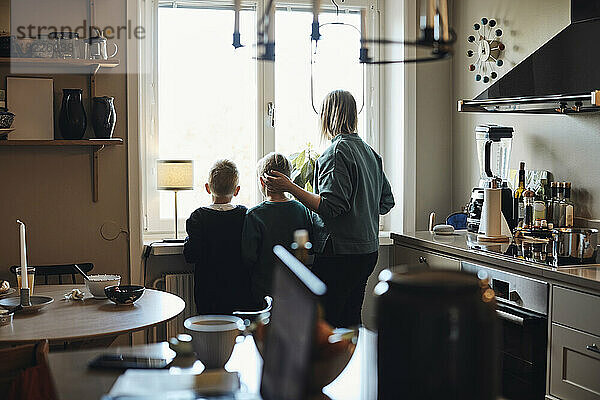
x: 488, y: 51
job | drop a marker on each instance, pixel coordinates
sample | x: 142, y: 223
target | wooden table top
x: 71, y: 320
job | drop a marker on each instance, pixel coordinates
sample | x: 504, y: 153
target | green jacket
x: 354, y: 191
x: 267, y: 225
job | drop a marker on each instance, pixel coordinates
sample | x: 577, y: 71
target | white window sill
x: 169, y: 249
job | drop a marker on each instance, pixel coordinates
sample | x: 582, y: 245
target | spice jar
x: 528, y: 203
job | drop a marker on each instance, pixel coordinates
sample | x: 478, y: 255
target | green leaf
x: 297, y: 178
x: 310, y: 172
x: 299, y: 161
x: 304, y: 171
x: 308, y: 187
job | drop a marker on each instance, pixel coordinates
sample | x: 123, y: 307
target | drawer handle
x: 593, y: 348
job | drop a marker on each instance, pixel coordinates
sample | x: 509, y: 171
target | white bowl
x: 97, y: 283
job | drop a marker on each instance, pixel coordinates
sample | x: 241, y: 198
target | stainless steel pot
x: 574, y: 246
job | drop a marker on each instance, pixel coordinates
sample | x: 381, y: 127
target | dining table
x: 90, y: 322
x: 75, y: 380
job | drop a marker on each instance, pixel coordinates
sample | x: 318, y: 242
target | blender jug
x: 494, y: 145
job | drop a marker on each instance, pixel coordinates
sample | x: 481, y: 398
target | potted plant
x: 304, y: 167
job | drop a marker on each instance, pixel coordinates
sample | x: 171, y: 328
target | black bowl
x: 6, y: 119
x: 124, y: 294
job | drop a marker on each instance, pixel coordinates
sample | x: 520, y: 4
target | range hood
x: 562, y: 76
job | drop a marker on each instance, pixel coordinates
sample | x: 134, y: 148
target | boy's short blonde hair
x: 274, y: 162
x: 223, y: 178
x: 338, y: 114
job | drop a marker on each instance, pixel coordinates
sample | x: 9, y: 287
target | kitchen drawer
x: 574, y: 365
x: 577, y: 310
x: 408, y: 255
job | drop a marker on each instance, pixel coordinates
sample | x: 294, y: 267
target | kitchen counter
x: 464, y: 246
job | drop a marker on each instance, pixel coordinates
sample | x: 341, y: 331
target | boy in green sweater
x: 270, y: 223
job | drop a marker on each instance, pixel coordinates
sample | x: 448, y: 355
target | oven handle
x: 510, y: 317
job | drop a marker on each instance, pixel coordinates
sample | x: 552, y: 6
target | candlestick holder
x: 25, y: 297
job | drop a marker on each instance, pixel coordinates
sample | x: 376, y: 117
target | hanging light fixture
x: 316, y: 35
x: 266, y: 34
x: 434, y: 40
x: 237, y: 7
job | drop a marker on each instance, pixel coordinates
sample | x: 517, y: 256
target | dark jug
x: 437, y: 334
x: 72, y: 120
x: 104, y: 117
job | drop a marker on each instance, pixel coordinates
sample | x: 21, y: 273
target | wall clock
x: 488, y: 52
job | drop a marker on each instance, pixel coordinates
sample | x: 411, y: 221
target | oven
x: 522, y: 309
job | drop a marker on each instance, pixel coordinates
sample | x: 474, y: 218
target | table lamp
x: 175, y: 175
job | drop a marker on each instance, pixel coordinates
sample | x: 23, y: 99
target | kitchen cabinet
x: 576, y: 309
x: 572, y: 327
x: 408, y: 255
x: 574, y: 364
x: 575, y: 345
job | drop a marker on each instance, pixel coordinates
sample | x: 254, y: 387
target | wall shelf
x: 55, y: 62
x: 96, y: 145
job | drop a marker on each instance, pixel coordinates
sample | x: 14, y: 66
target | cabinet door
x: 408, y: 255
x: 575, y: 364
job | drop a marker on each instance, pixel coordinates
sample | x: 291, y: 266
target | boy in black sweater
x: 221, y: 282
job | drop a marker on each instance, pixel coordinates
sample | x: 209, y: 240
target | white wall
x: 568, y: 146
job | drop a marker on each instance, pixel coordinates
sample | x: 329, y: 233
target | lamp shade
x: 175, y: 175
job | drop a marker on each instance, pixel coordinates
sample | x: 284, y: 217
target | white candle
x: 24, y: 284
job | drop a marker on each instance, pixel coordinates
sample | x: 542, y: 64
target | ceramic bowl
x: 6, y: 119
x: 124, y: 294
x: 97, y: 283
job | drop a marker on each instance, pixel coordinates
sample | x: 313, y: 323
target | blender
x: 494, y: 145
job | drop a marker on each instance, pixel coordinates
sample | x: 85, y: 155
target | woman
x: 351, y: 191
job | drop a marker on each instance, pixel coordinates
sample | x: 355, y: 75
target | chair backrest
x: 57, y: 270
x: 458, y: 220
x: 17, y: 359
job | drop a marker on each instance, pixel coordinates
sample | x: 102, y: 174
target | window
x: 213, y: 101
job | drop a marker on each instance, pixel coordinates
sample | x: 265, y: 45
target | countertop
x: 460, y: 245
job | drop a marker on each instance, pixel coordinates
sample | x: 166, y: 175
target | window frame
x: 153, y: 225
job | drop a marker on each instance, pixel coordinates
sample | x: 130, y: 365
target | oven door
x: 522, y: 352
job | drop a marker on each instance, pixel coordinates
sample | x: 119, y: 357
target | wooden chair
x: 57, y: 270
x: 24, y: 372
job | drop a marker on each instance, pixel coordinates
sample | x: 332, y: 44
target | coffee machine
x: 494, y: 145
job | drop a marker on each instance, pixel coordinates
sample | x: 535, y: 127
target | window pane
x: 335, y: 66
x: 207, y: 99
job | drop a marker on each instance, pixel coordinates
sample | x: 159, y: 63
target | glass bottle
x: 519, y: 209
x: 550, y: 204
x: 567, y: 206
x: 301, y: 246
x: 541, y: 192
x: 556, y: 217
x: 528, y: 200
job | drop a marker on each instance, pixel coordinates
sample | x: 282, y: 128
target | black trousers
x: 346, y: 277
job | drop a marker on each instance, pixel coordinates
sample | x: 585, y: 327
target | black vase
x: 104, y: 116
x: 72, y: 120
